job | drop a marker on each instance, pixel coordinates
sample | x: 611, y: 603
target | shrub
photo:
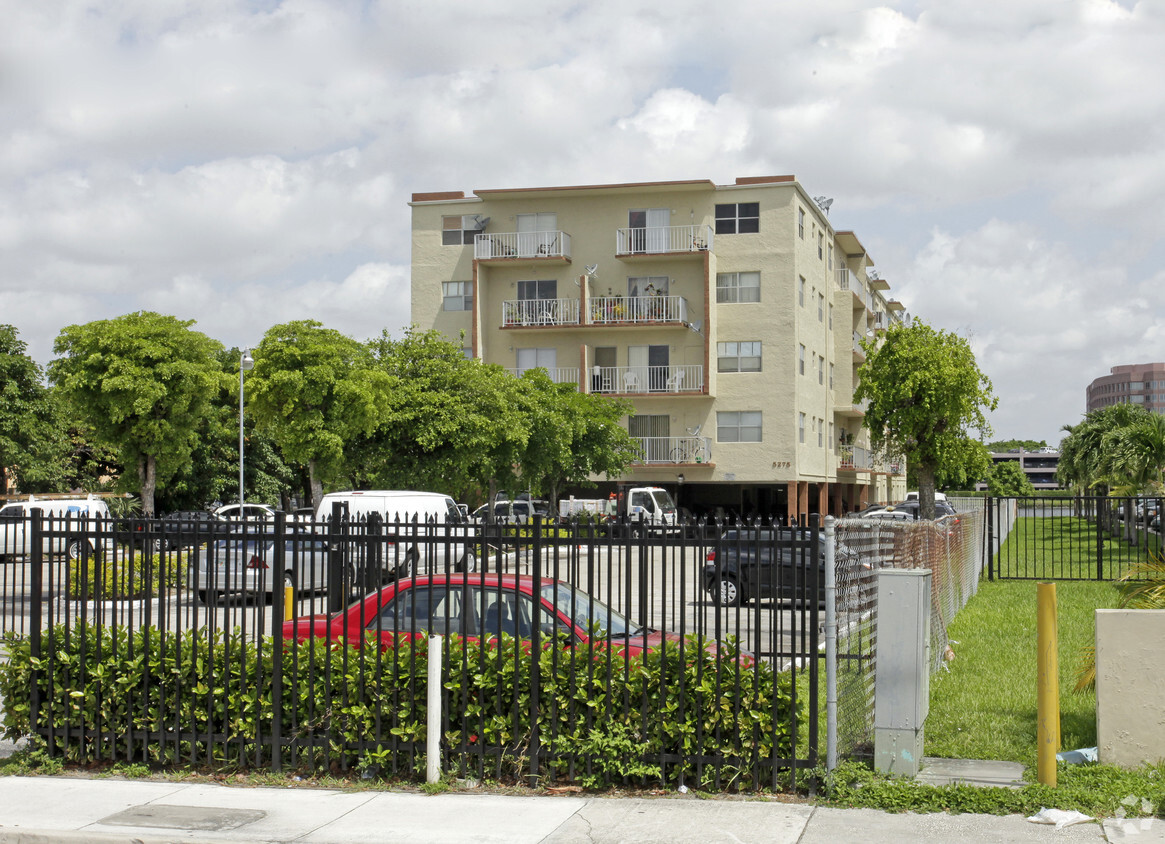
x: 131, y: 577
x: 165, y: 698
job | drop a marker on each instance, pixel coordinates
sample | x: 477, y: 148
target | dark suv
x: 769, y: 563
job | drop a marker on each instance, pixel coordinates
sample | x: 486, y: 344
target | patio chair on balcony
x: 675, y: 382
x: 631, y: 382
x: 549, y: 248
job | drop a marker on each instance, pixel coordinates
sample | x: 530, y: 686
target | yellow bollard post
x: 1048, y: 685
x: 288, y: 602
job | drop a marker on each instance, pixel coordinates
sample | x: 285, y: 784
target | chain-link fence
x: 952, y: 548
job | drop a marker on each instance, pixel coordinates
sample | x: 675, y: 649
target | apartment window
x: 830, y: 436
x: 831, y: 317
x: 801, y: 290
x: 821, y: 307
x: 537, y: 359
x: 820, y: 245
x: 801, y: 427
x: 820, y: 433
x: 738, y: 287
x: 738, y: 218
x: 831, y: 256
x: 457, y: 231
x: 738, y: 357
x: 801, y: 223
x: 831, y: 376
x: 801, y: 359
x: 544, y: 288
x: 820, y: 370
x: 457, y: 295
x: 739, y: 426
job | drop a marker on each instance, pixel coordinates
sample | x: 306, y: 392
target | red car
x: 477, y: 606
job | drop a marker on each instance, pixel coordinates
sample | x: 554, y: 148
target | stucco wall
x: 1130, y: 686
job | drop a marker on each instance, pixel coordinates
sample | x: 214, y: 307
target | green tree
x: 925, y: 394
x: 32, y: 443
x: 1011, y: 445
x: 143, y: 382
x: 1007, y: 479
x: 314, y: 391
x: 1099, y: 453
x: 449, y: 424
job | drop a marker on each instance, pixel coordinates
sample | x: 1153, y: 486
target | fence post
x: 830, y: 644
x: 335, y: 558
x: 278, y: 598
x: 989, y: 549
x: 36, y: 528
x: 1101, y: 517
x: 536, y: 651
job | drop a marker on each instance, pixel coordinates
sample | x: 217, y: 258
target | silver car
x: 247, y: 564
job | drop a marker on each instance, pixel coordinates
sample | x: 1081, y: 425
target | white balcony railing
x: 858, y: 344
x: 517, y: 312
x: 854, y: 457
x: 655, y: 240
x: 549, y: 244
x: 688, y: 378
x: 612, y: 310
x: 558, y: 374
x: 674, y: 449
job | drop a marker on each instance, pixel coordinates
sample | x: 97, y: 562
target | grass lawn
x: 1065, y: 547
x: 984, y: 706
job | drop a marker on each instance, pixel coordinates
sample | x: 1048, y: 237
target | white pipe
x: 433, y: 728
x: 830, y: 644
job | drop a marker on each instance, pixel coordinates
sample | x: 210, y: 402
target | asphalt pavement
x: 35, y: 810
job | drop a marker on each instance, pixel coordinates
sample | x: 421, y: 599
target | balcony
x: 654, y: 450
x: 524, y: 313
x: 638, y: 380
x: 855, y: 410
x: 628, y: 310
x: 558, y: 374
x: 523, y: 247
x: 859, y: 352
x: 657, y: 241
x: 854, y: 458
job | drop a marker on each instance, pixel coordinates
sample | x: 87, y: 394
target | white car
x: 251, y: 513
x: 72, y: 521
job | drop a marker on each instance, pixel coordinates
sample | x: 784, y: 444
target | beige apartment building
x: 731, y: 315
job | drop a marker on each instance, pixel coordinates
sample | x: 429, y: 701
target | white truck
x: 651, y: 505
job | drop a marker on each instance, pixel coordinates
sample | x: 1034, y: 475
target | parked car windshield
x: 588, y: 613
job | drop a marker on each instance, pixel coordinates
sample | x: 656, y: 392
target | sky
x: 243, y: 164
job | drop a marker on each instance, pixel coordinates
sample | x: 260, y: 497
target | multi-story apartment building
x: 1137, y: 383
x: 731, y: 315
x: 1039, y: 466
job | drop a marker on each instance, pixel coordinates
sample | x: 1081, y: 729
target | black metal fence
x: 585, y: 653
x: 1079, y: 538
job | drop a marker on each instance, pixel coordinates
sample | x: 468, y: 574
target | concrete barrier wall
x: 1130, y: 686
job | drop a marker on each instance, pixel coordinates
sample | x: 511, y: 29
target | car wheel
x: 727, y: 592
x: 77, y: 548
x: 204, y: 596
x: 289, y: 582
x: 468, y: 562
x: 158, y: 545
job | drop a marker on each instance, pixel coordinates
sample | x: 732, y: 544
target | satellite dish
x: 480, y: 222
x: 823, y: 203
x: 592, y: 269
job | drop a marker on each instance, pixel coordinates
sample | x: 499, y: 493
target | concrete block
x: 1130, y: 686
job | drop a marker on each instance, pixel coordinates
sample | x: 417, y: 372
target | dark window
x: 738, y: 218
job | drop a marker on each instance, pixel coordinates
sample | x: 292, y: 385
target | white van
x: 65, y: 516
x: 938, y: 496
x: 436, y: 536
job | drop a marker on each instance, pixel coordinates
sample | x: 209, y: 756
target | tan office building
x: 731, y: 315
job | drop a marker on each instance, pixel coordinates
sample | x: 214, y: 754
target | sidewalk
x: 35, y: 810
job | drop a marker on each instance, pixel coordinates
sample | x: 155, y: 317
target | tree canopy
x: 1012, y: 445
x: 926, y: 394
x: 1008, y: 479
x: 143, y: 382
x: 1119, y: 448
x: 313, y: 390
x: 32, y: 446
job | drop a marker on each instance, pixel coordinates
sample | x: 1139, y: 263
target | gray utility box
x: 902, y: 687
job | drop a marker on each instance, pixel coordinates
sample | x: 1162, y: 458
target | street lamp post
x: 246, y: 363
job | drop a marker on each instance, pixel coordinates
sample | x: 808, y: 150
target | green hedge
x: 202, y: 697
x: 133, y: 576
